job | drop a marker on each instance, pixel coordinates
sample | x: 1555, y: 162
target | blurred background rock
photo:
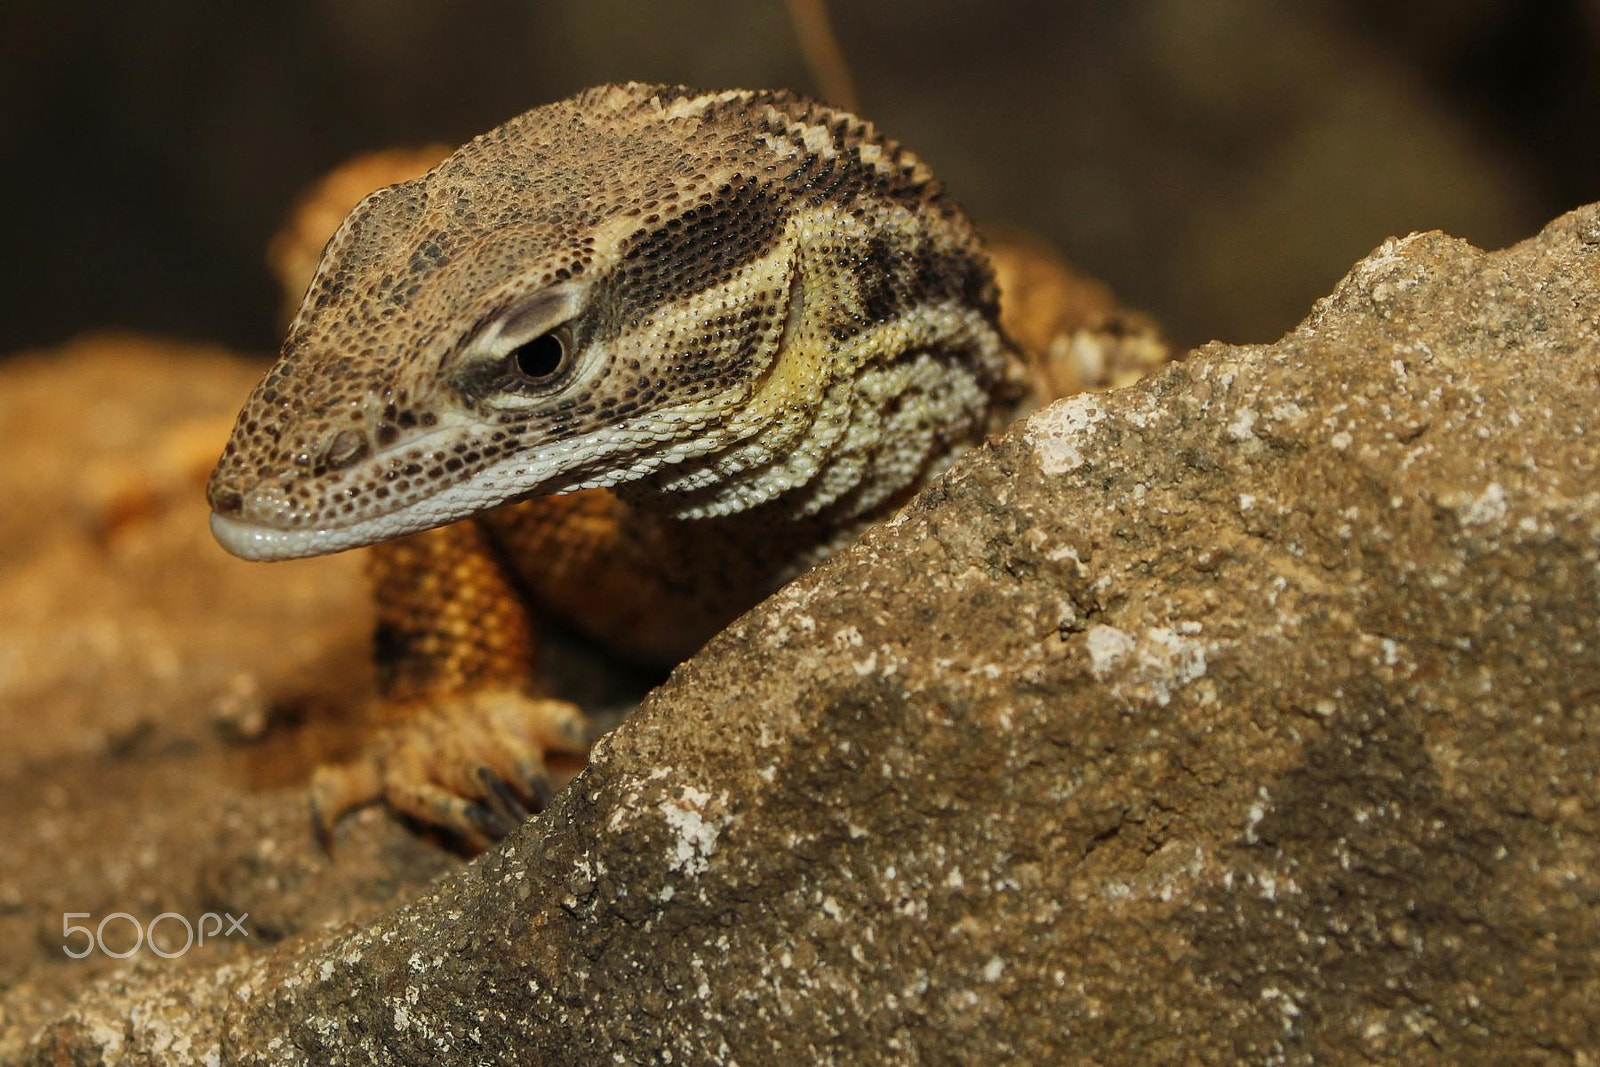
x: 1219, y: 162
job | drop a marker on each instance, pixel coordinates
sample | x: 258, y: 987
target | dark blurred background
x: 1219, y: 162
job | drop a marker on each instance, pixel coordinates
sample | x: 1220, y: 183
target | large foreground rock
x: 1244, y: 715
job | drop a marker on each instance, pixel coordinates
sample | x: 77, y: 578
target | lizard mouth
x: 255, y: 527
x: 257, y: 537
x: 258, y: 541
x: 245, y: 527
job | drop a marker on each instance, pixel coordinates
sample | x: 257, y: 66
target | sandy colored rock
x: 1243, y: 715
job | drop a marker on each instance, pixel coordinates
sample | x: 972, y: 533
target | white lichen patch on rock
x: 1108, y: 647
x: 695, y: 828
x: 1487, y: 507
x: 1389, y: 269
x: 1243, y: 425
x: 1152, y: 665
x: 1059, y: 432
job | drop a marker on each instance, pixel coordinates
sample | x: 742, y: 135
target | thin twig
x: 819, y: 45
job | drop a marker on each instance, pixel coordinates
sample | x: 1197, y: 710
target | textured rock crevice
x: 1243, y: 715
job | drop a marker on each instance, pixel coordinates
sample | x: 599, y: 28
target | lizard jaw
x: 597, y: 460
x: 513, y: 479
x: 254, y: 539
x: 258, y: 541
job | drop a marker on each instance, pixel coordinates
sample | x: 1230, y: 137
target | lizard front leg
x: 458, y: 735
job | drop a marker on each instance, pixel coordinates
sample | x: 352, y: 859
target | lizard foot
x: 473, y: 766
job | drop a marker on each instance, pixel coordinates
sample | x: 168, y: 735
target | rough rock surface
x: 1244, y: 715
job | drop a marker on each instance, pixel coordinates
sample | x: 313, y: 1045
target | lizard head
x: 593, y: 292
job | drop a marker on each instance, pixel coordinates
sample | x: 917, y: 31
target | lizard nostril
x: 226, y: 501
x: 346, y: 447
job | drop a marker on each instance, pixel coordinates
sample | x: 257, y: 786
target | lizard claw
x: 489, y: 823
x: 509, y: 803
x: 538, y: 784
x: 473, y: 766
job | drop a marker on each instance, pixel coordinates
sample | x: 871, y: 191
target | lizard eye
x: 542, y: 359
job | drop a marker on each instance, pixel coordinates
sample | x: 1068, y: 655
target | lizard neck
x: 840, y: 426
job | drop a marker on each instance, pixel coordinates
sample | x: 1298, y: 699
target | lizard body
x: 633, y: 359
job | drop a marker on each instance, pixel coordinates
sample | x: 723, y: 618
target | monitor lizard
x: 632, y: 360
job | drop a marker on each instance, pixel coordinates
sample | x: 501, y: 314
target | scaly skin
x: 633, y: 361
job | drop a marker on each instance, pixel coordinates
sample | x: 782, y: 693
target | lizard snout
x: 226, y: 501
x: 338, y: 452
